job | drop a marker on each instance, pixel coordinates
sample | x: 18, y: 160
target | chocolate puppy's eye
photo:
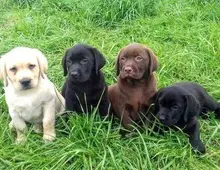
x: 84, y: 61
x: 138, y: 58
x: 13, y: 69
x: 122, y: 58
x: 31, y: 66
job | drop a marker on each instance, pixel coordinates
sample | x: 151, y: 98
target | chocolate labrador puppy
x: 85, y: 86
x: 180, y: 104
x: 136, y: 83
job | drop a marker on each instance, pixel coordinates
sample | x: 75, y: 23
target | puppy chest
x: 138, y: 97
x: 32, y: 115
x: 30, y: 112
x: 138, y: 100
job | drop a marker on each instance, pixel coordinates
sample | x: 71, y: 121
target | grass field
x: 185, y: 35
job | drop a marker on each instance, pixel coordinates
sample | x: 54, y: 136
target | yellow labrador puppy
x: 30, y: 95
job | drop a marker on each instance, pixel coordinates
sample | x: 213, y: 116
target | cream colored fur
x: 39, y: 103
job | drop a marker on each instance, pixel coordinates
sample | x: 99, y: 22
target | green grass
x: 185, y: 35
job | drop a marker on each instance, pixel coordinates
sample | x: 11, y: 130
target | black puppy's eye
x: 13, y: 69
x: 84, y: 61
x: 138, y: 58
x: 69, y: 61
x: 31, y: 66
x: 174, y: 106
x: 161, y: 102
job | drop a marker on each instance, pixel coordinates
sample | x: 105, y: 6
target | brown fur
x: 133, y: 92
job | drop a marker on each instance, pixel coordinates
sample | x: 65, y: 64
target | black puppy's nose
x: 74, y: 74
x: 25, y: 82
x: 162, y: 117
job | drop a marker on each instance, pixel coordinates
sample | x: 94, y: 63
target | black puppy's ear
x: 192, y: 107
x: 153, y: 63
x: 64, y: 63
x: 99, y: 60
x: 156, y: 100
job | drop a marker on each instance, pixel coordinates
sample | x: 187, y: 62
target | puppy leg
x: 217, y: 111
x: 70, y: 102
x: 104, y: 107
x: 37, y: 127
x: 19, y: 124
x: 127, y: 121
x: 192, y: 130
x: 211, y: 105
x: 49, y: 121
x: 11, y: 126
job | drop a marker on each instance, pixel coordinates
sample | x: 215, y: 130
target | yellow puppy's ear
x: 3, y: 73
x: 42, y: 62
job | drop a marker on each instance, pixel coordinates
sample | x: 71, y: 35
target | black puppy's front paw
x: 198, y: 146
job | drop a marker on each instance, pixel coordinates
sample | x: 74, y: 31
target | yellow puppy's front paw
x: 49, y: 138
x: 20, y: 140
x: 37, y: 128
x: 11, y: 126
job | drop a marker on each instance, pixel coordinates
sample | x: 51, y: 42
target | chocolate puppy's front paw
x: 198, y: 145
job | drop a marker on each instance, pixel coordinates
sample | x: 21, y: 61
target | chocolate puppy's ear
x: 99, y: 60
x: 117, y: 66
x: 65, y: 70
x: 153, y: 63
x: 192, y: 107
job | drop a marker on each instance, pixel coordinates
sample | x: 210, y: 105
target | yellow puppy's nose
x: 25, y: 82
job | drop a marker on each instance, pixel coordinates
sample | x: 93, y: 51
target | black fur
x: 180, y: 104
x: 85, y: 85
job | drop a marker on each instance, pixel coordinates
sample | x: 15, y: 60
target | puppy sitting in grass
x: 85, y: 85
x: 132, y: 94
x: 30, y: 95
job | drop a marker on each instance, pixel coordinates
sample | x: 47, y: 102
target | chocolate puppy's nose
x: 74, y: 74
x: 128, y: 69
x: 25, y: 82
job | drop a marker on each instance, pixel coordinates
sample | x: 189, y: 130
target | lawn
x: 184, y: 34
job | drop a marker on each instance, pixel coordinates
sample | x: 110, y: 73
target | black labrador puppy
x: 179, y: 105
x: 85, y: 85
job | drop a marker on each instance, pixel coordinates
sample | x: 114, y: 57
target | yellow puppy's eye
x: 31, y: 66
x: 138, y: 58
x: 13, y: 69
